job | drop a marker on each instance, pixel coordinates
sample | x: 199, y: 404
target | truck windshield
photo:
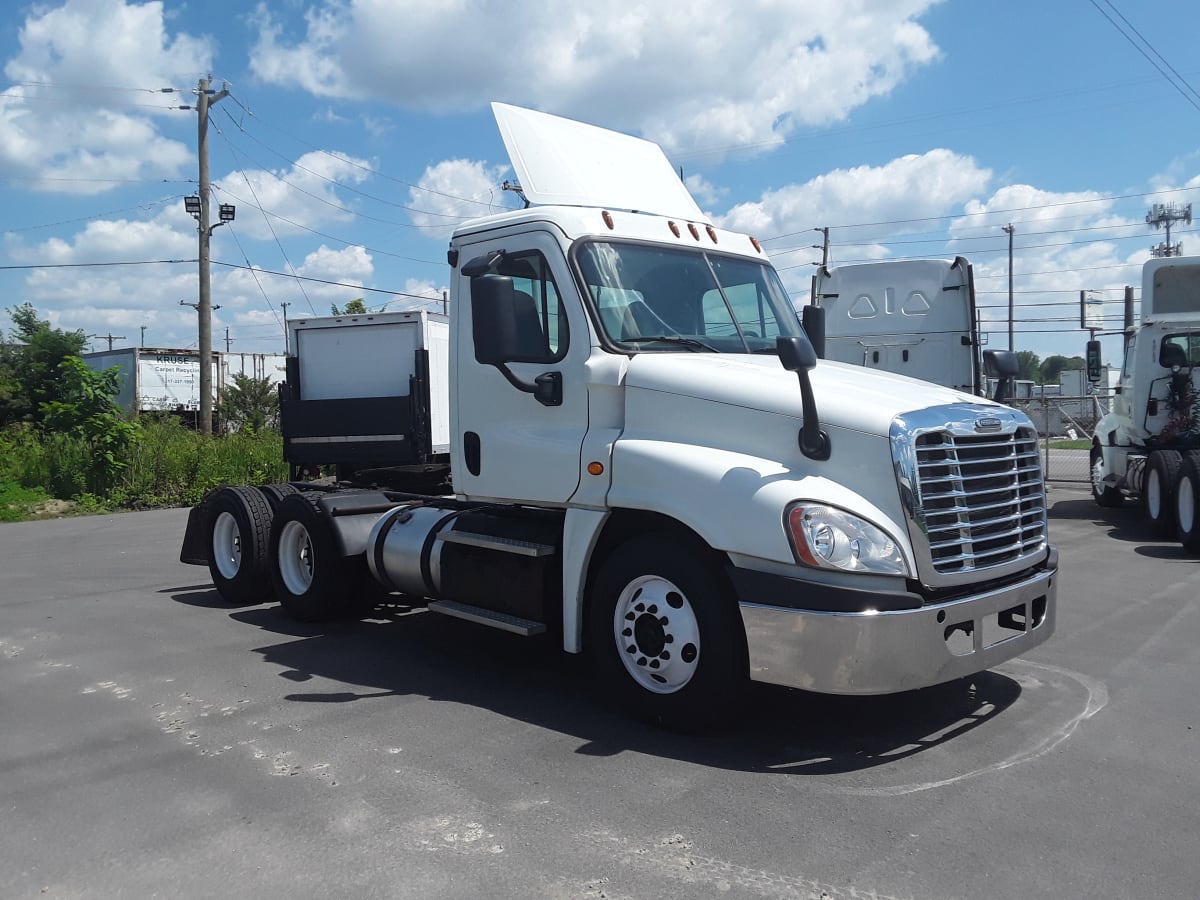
x: 649, y: 298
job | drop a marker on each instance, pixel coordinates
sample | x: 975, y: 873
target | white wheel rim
x: 227, y: 545
x: 1186, y: 504
x: 295, y: 558
x: 657, y: 635
x: 1098, y: 476
x: 1154, y: 494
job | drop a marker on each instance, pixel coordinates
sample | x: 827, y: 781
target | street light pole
x: 1009, y: 229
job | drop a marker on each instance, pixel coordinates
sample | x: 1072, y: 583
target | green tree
x: 85, y: 410
x: 30, y: 365
x: 249, y: 404
x: 1053, y: 366
x: 355, y: 307
x: 1030, y: 366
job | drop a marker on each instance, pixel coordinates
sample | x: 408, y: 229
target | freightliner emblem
x: 990, y: 423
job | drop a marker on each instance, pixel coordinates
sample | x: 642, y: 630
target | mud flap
x: 195, y: 545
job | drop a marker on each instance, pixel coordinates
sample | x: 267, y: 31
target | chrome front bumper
x: 899, y: 650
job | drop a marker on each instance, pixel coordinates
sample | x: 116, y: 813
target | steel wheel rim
x: 657, y: 635
x: 1186, y: 505
x: 227, y: 545
x: 1154, y: 494
x: 1098, y: 475
x: 295, y: 558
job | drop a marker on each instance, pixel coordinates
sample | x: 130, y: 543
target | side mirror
x: 494, y: 331
x: 493, y: 325
x: 812, y: 318
x: 1093, y: 361
x: 1001, y: 364
x: 796, y: 353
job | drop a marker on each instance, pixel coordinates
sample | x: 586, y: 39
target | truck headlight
x: 831, y: 538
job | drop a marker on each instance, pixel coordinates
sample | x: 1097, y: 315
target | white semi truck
x: 1148, y: 446
x: 914, y: 317
x: 643, y: 457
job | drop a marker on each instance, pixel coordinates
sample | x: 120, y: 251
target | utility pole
x: 823, y: 246
x: 143, y: 341
x: 1009, y: 230
x: 1165, y: 215
x: 108, y: 337
x: 205, y: 98
x: 228, y: 339
x: 287, y: 340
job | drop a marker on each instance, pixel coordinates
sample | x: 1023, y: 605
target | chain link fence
x: 1065, y: 424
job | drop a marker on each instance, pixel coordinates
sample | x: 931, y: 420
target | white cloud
x: 908, y: 188
x: 54, y: 128
x: 705, y: 76
x: 300, y: 197
x: 455, y: 190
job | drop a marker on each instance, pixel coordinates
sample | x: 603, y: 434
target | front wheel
x: 666, y: 639
x: 1101, y: 493
x: 1162, y: 471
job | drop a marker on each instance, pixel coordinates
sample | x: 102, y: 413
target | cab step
x: 481, y: 616
x: 495, y: 542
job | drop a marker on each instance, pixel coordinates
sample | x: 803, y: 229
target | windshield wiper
x: 675, y: 339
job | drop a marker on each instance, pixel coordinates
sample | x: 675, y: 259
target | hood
x: 848, y: 396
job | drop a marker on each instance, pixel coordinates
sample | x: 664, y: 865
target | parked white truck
x: 648, y: 461
x: 1148, y: 447
x: 914, y: 317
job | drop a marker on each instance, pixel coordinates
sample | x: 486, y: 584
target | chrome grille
x: 981, y: 498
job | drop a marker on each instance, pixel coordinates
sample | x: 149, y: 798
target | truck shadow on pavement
x: 406, y: 651
x: 1124, y: 523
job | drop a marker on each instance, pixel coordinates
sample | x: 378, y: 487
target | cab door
x: 508, y: 444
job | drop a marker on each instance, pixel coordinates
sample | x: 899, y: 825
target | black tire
x: 238, y: 530
x: 1162, y: 471
x: 684, y: 642
x: 1187, y: 502
x: 1102, y: 494
x: 275, y: 493
x: 309, y: 575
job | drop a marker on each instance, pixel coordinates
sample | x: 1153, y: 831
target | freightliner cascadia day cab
x: 647, y: 460
x: 1147, y: 448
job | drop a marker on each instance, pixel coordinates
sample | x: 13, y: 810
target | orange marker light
x: 595, y: 468
x: 608, y: 219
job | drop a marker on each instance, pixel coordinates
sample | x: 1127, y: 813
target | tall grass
x: 168, y: 466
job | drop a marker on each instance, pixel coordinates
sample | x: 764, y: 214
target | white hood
x: 847, y: 396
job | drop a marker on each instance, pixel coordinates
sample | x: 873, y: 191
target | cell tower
x: 1164, y: 215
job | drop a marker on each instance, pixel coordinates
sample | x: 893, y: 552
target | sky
x: 357, y: 134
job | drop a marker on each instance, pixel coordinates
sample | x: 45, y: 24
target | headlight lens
x: 828, y: 537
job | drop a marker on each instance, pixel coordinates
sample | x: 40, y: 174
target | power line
x: 1178, y: 82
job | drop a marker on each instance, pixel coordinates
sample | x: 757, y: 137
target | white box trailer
x: 157, y: 379
x: 367, y: 391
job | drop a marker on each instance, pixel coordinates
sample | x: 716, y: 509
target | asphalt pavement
x: 155, y: 742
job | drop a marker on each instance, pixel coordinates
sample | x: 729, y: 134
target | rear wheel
x: 275, y: 493
x: 1187, y: 502
x: 666, y: 639
x: 1101, y: 493
x: 239, y: 527
x: 311, y: 578
x: 1162, y: 471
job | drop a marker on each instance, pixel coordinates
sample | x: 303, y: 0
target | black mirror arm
x: 546, y: 388
x: 814, y: 443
